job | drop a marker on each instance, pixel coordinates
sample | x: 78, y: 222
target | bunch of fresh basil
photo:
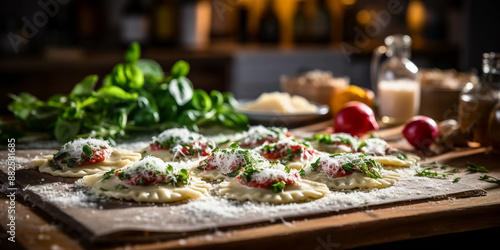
x: 136, y: 96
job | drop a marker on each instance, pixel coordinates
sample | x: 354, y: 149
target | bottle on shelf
x: 90, y: 19
x: 321, y: 23
x: 301, y: 24
x: 242, y: 23
x: 477, y: 102
x: 135, y: 24
x: 164, y: 22
x: 269, y: 26
x: 398, y: 91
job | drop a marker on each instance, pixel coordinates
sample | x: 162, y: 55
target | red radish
x: 355, y: 118
x: 421, y: 132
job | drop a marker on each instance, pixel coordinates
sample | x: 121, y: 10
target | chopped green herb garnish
x: 316, y: 164
x: 61, y: 155
x: 278, y: 186
x: 247, y: 173
x: 490, y: 179
x: 54, y: 164
x: 456, y: 179
x: 402, y: 156
x: 103, y: 189
x: 444, y: 167
x: 70, y: 162
x: 108, y: 175
x: 430, y: 174
x: 87, y: 151
x: 455, y: 170
x: 475, y: 168
x: 120, y: 187
x: 302, y: 172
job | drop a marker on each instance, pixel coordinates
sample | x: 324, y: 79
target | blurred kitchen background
x: 243, y: 46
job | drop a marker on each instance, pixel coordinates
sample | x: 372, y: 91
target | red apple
x: 421, y: 132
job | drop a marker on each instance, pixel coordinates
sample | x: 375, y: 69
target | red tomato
x: 421, y: 132
x: 98, y: 155
x: 356, y: 118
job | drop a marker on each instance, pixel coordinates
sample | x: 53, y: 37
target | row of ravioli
x: 262, y: 164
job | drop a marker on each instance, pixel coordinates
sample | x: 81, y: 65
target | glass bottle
x: 269, y: 26
x: 477, y: 101
x: 300, y: 24
x: 398, y: 91
x: 494, y: 127
x: 164, y: 25
x: 321, y: 27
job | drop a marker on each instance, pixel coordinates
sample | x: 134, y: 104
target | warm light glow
x: 416, y: 16
x: 348, y: 2
x: 363, y: 17
x: 382, y: 49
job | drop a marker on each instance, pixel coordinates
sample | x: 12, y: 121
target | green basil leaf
x: 122, y: 118
x: 85, y: 87
x: 150, y: 68
x: 23, y: 104
x: 181, y: 90
x: 118, y: 75
x: 167, y: 106
x: 146, y: 117
x: 206, y: 117
x: 217, y: 98
x: 201, y: 100
x: 133, y: 52
x: 115, y: 92
x: 180, y: 69
x: 134, y: 76
x: 87, y: 150
x: 65, y: 130
x: 189, y: 117
x: 229, y: 99
x: 234, y: 120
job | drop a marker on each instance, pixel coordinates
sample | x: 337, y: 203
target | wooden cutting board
x: 94, y: 220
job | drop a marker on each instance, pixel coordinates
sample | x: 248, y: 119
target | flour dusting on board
x: 212, y: 208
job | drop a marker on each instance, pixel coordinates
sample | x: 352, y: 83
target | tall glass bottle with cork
x: 478, y: 101
x: 398, y: 91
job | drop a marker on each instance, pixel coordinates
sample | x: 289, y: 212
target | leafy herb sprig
x: 475, y: 168
x: 490, y: 179
x: 435, y: 174
x: 136, y: 96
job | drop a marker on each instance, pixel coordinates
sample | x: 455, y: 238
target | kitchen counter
x: 396, y: 224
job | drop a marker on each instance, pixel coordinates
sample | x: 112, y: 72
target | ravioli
x: 385, y: 155
x: 349, y: 171
x: 397, y: 160
x: 226, y: 163
x: 289, y: 152
x: 355, y: 180
x: 179, y: 144
x: 273, y: 183
x: 335, y: 143
x: 301, y: 191
x: 258, y: 135
x: 71, y: 160
x: 149, y: 180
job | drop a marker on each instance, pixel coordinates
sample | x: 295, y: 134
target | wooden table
x: 361, y: 227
